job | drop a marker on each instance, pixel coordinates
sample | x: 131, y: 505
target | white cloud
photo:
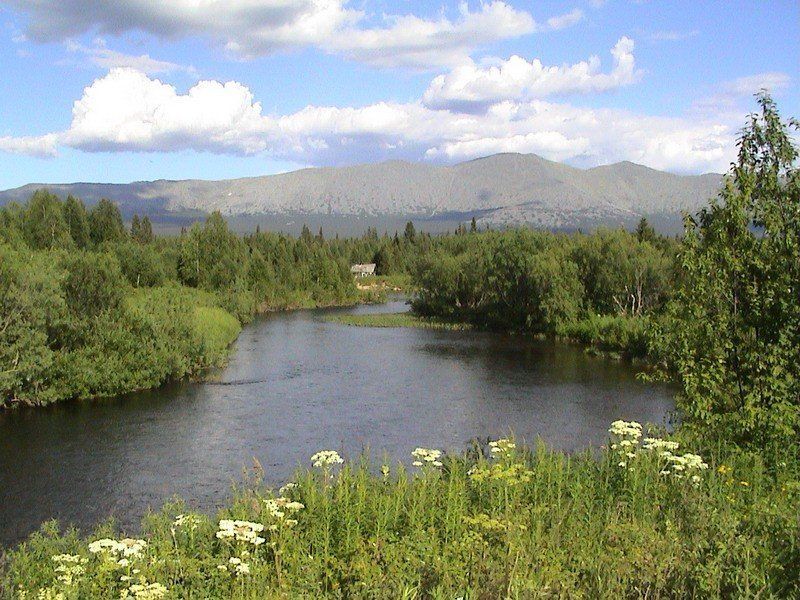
x: 566, y: 20
x: 745, y: 86
x: 420, y: 43
x: 731, y: 98
x: 251, y: 28
x: 40, y: 146
x: 128, y: 111
x: 470, y: 86
x: 99, y: 55
x: 671, y: 35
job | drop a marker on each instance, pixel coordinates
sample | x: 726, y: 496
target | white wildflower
x: 326, y: 458
x: 423, y: 456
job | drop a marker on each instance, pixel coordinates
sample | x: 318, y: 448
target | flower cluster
x: 236, y: 567
x: 69, y: 567
x: 279, y: 508
x: 187, y: 522
x: 144, y: 591
x: 122, y: 550
x: 688, y: 465
x: 426, y: 456
x: 326, y: 458
x: 502, y: 448
x: 240, y: 531
x: 625, y: 438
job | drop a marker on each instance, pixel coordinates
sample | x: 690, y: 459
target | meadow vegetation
x: 650, y: 516
x: 709, y: 510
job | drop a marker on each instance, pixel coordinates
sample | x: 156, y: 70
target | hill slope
x: 503, y: 189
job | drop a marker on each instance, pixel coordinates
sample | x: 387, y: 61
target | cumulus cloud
x: 251, y: 28
x: 470, y: 86
x: 128, y: 111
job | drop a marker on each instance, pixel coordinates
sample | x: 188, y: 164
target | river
x: 295, y: 384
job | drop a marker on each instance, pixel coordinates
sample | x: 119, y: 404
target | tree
x: 105, y: 223
x: 305, y: 235
x: 77, y: 221
x: 43, y: 222
x: 733, y: 330
x: 410, y: 234
x: 645, y: 231
x: 473, y: 226
x: 146, y: 236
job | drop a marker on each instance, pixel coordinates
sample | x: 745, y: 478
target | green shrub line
x: 648, y: 516
x: 403, y: 319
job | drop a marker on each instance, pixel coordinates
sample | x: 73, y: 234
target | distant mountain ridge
x: 499, y: 189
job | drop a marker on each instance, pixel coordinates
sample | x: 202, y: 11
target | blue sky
x: 213, y: 89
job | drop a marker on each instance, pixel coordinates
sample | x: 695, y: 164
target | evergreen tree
x: 77, y: 221
x: 645, y: 231
x: 306, y: 235
x: 410, y: 234
x: 105, y: 223
x: 147, y: 230
x: 473, y: 227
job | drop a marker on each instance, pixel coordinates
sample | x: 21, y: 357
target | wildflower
x: 235, y: 567
x: 240, y: 531
x: 659, y: 444
x: 70, y: 567
x: 144, y: 591
x: 125, y: 548
x: 744, y: 483
x: 626, y: 436
x: 502, y: 447
x: 188, y: 522
x: 724, y: 469
x: 425, y: 456
x: 288, y: 487
x: 326, y: 458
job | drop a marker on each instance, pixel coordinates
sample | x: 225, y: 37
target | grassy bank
x: 606, y: 335
x: 645, y: 519
x: 404, y: 319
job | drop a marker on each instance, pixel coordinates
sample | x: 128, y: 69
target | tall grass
x: 518, y: 523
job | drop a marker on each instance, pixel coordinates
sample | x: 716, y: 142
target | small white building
x: 363, y: 270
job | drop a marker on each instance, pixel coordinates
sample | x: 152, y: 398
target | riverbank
x: 168, y: 334
x: 648, y: 518
x: 403, y: 319
x: 607, y: 336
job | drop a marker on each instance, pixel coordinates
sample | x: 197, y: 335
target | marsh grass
x: 528, y: 523
x: 404, y: 319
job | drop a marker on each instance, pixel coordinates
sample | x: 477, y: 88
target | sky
x: 130, y: 90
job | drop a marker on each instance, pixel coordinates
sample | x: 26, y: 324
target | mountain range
x: 502, y: 189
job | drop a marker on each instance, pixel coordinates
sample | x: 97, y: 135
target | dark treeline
x: 718, y: 310
x: 601, y: 288
x: 91, y: 308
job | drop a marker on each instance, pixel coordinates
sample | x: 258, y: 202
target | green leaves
x: 733, y: 330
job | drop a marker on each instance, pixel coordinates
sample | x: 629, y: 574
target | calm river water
x: 296, y: 384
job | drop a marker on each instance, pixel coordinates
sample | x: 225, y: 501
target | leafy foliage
x: 733, y: 330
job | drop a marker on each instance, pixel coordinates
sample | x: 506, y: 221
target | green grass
x: 530, y: 523
x: 216, y: 330
x: 398, y: 282
x: 404, y: 319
